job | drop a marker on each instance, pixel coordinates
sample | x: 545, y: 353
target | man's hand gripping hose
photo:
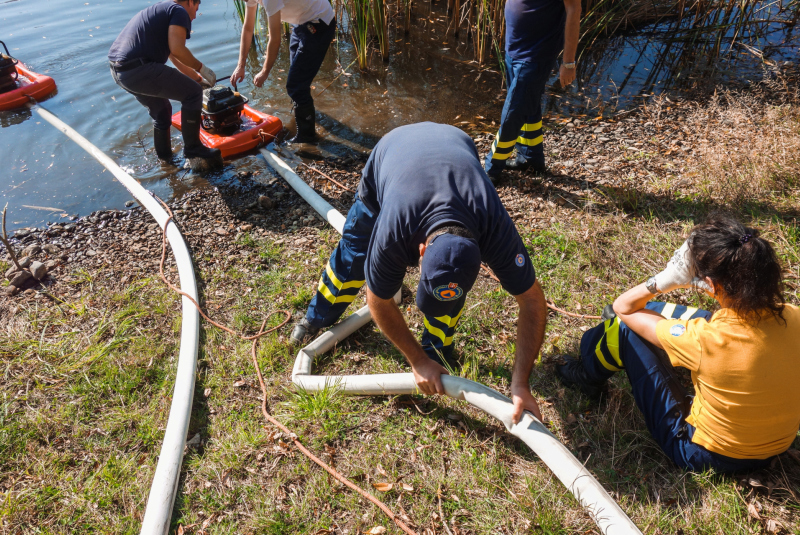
x: 261, y: 332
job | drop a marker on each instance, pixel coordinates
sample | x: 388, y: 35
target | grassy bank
x: 86, y: 381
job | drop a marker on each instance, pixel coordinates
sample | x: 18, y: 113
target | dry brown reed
x: 748, y: 153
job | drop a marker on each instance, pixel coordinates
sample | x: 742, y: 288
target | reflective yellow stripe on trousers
x: 610, y: 342
x: 326, y: 292
x: 447, y: 320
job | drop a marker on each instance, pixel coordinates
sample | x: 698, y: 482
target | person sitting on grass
x: 744, y: 358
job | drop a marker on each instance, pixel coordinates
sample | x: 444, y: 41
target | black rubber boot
x: 162, y: 143
x: 573, y: 374
x: 305, y: 116
x: 302, y: 330
x: 192, y: 146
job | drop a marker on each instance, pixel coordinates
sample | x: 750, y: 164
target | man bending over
x: 425, y: 199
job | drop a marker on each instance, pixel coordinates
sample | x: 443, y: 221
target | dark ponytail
x: 742, y: 264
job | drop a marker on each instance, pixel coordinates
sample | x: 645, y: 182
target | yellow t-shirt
x: 746, y: 380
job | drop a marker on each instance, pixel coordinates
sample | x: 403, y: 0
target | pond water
x: 46, y: 178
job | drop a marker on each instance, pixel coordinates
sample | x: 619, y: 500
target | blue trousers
x: 154, y: 85
x: 612, y: 346
x: 343, y: 277
x: 521, y: 120
x: 308, y: 45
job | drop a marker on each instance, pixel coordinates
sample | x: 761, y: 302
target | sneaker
x: 302, y: 330
x: 573, y: 375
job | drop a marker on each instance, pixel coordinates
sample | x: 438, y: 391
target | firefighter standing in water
x: 314, y: 27
x: 536, y: 32
x: 138, y: 64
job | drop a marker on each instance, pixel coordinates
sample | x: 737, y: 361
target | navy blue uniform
x: 418, y: 178
x: 534, y: 38
x: 138, y: 57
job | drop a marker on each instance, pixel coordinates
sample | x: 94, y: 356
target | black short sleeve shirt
x: 146, y: 36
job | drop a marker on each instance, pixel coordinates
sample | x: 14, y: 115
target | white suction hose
x: 165, y: 481
x: 608, y: 515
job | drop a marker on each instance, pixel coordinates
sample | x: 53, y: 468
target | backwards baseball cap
x: 449, y: 268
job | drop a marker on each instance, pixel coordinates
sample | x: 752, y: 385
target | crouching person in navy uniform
x: 314, y: 28
x: 424, y: 199
x: 536, y: 32
x: 743, y: 358
x: 138, y: 60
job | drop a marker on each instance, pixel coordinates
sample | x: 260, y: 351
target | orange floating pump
x: 223, y: 119
x: 18, y: 83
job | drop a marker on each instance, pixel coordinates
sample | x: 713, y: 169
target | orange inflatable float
x: 17, y: 83
x: 230, y: 125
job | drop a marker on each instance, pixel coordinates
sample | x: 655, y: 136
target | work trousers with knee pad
x: 521, y: 120
x: 612, y: 346
x: 308, y: 45
x: 343, y: 278
x: 154, y: 85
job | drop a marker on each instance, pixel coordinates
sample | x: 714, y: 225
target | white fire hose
x: 608, y: 515
x: 158, y: 513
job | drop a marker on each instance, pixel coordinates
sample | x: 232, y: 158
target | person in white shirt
x: 314, y: 27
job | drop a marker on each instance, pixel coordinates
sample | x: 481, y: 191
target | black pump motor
x: 222, y: 108
x: 8, y: 71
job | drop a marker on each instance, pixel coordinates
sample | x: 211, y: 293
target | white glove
x: 679, y: 272
x: 208, y: 75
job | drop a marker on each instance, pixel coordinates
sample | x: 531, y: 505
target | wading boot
x: 162, y: 143
x: 305, y: 118
x: 573, y: 374
x: 193, y: 148
x: 302, y: 331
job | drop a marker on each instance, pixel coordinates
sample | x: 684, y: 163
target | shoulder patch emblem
x: 448, y: 292
x: 519, y: 260
x: 677, y: 330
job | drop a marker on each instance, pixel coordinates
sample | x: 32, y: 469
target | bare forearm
x: 273, y: 47
x: 187, y: 58
x: 530, y: 333
x: 630, y: 308
x: 572, y: 31
x: 246, y: 39
x: 244, y: 47
x: 390, y: 321
x: 191, y: 73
